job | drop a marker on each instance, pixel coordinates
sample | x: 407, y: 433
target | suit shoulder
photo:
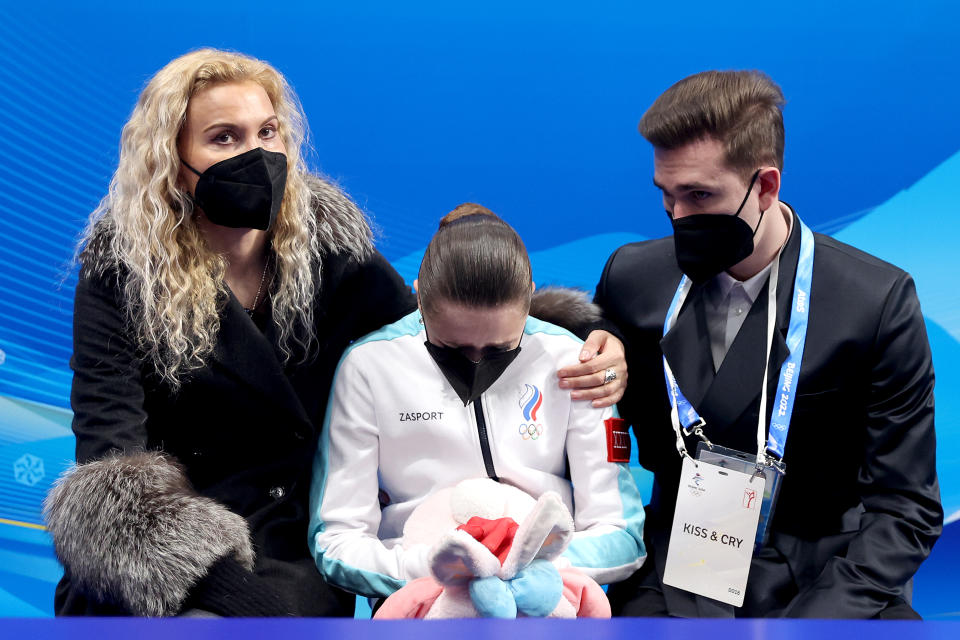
x: 856, y: 263
x: 631, y: 262
x: 637, y: 280
x: 659, y: 250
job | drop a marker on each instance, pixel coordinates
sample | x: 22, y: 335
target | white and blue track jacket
x: 395, y: 425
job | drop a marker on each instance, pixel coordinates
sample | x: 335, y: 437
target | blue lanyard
x: 682, y: 412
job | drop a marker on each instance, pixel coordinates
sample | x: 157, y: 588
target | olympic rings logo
x: 531, y: 431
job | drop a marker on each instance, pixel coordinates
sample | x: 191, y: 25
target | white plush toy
x: 495, y: 553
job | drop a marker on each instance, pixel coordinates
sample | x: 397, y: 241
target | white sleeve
x: 608, y: 510
x: 344, y: 505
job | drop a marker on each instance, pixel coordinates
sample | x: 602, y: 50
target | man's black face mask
x: 244, y: 191
x: 708, y: 243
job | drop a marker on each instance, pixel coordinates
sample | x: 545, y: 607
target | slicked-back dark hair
x: 741, y: 109
x: 475, y: 259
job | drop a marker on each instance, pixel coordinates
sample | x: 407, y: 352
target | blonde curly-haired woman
x: 220, y: 282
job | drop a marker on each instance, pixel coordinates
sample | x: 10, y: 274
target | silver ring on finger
x: 609, y: 376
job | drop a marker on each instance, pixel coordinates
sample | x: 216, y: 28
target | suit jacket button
x: 277, y: 492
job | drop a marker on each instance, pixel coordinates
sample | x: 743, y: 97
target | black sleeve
x: 110, y: 424
x: 898, y: 479
x: 107, y: 401
x: 608, y: 319
x: 626, y: 294
x: 107, y: 395
x: 612, y: 322
x: 602, y: 300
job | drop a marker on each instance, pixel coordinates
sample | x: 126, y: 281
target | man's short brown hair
x: 741, y: 109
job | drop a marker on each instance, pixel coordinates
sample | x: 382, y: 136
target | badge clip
x: 696, y: 427
x: 773, y: 463
x: 699, y: 432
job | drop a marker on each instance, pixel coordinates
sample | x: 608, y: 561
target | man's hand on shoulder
x: 601, y: 375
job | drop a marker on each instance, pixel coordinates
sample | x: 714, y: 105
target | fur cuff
x: 568, y: 308
x: 132, y: 531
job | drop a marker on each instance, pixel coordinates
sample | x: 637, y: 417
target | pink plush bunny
x: 494, y: 557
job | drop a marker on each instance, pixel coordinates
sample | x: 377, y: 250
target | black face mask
x: 468, y: 378
x: 708, y: 243
x: 244, y: 191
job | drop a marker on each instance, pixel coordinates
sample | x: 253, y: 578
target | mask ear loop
x: 758, y: 224
x: 184, y: 163
x: 190, y: 196
x: 753, y: 180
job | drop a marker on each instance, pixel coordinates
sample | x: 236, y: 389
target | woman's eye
x: 268, y: 132
x: 224, y: 137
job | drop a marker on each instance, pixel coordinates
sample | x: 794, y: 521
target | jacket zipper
x: 484, y: 441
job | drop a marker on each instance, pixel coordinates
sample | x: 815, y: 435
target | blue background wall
x: 530, y: 110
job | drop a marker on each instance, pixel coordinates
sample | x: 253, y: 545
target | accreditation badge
x: 714, y: 529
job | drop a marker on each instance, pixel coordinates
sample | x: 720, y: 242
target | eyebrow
x: 688, y: 186
x: 230, y: 125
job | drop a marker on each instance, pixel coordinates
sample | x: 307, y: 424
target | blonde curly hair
x: 145, y: 230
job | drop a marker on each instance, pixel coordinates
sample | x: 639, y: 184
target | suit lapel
x: 249, y: 356
x: 737, y: 383
x: 687, y: 348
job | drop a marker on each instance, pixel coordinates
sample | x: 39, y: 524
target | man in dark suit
x: 859, y: 506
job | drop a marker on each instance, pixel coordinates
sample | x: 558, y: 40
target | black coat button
x: 277, y: 492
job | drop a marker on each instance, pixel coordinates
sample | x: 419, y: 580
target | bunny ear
x: 458, y: 558
x: 545, y: 533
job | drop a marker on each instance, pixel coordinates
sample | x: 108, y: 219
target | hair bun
x: 464, y: 210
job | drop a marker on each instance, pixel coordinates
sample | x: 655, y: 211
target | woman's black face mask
x: 708, y: 243
x: 468, y: 378
x: 244, y: 191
